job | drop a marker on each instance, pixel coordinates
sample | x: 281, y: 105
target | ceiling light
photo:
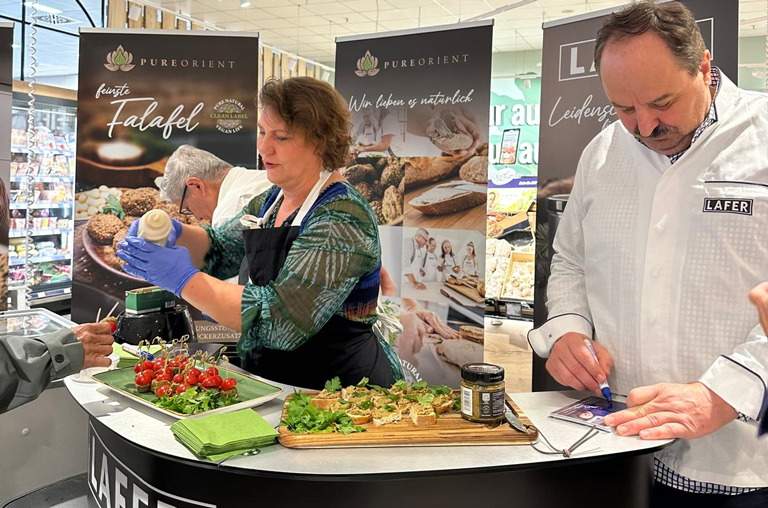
x: 44, y: 8
x: 245, y: 3
x: 326, y: 75
x: 134, y: 12
x: 292, y: 64
x: 15, y: 46
x: 538, y: 64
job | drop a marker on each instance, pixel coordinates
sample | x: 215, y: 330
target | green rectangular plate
x: 251, y: 392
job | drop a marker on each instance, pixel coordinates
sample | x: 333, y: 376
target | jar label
x: 466, y: 401
x: 492, y: 404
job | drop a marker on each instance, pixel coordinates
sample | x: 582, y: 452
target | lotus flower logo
x: 366, y: 66
x: 119, y: 60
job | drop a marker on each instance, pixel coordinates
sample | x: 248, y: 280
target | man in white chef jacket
x: 430, y: 262
x: 413, y: 258
x: 664, y: 235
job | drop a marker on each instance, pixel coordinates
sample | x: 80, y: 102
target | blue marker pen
x: 135, y: 351
x: 604, y: 385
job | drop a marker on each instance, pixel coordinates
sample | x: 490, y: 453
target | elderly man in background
x: 413, y: 258
x: 208, y: 187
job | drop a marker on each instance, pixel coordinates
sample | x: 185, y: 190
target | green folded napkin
x: 220, y: 436
x: 126, y: 358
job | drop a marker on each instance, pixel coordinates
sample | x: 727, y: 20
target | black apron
x: 343, y: 348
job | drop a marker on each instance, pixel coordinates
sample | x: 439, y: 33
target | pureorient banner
x: 6, y: 82
x: 141, y: 94
x: 574, y: 109
x: 420, y: 103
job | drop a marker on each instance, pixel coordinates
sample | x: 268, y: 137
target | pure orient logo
x: 229, y: 115
x: 366, y: 66
x: 119, y: 60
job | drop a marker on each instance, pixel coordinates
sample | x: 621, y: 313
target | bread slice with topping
x: 325, y: 399
x: 450, y: 197
x: 423, y: 414
x: 383, y: 415
x: 442, y: 403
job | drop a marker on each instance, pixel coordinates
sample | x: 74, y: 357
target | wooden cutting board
x: 450, y: 430
x: 467, y: 291
x: 470, y: 219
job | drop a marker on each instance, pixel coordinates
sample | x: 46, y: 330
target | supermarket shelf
x: 44, y: 178
x: 16, y: 261
x: 50, y: 296
x: 21, y: 149
x: 43, y: 105
x: 40, y: 204
x: 19, y: 233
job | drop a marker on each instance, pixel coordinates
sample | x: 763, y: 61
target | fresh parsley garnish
x: 380, y: 389
x: 426, y: 399
x: 401, y: 386
x: 193, y: 402
x: 334, y: 385
x: 363, y: 382
x: 393, y: 397
x: 114, y: 207
x: 388, y: 408
x: 439, y: 390
x: 366, y: 405
x: 419, y: 386
x: 304, y: 418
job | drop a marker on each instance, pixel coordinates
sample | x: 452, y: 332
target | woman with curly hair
x: 311, y: 250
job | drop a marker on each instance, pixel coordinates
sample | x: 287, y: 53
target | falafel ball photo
x: 139, y: 201
x: 103, y: 227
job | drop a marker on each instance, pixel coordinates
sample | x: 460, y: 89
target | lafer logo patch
x: 728, y: 205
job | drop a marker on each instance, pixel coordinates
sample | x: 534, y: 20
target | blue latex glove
x: 169, y: 268
x: 174, y: 235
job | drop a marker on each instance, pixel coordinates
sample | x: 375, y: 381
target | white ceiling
x: 309, y: 27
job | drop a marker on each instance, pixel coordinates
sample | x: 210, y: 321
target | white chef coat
x: 448, y: 264
x: 430, y: 264
x: 647, y: 256
x: 392, y: 127
x: 469, y: 266
x: 368, y: 134
x: 413, y: 259
x: 237, y: 189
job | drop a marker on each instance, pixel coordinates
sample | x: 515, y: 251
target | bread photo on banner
x: 441, y: 191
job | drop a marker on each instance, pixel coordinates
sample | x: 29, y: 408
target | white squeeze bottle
x: 155, y: 226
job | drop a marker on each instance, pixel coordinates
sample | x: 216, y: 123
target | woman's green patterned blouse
x: 332, y: 268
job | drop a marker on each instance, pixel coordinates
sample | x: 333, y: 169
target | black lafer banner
x: 6, y: 83
x: 420, y: 103
x: 574, y: 109
x: 141, y: 94
x: 114, y: 485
